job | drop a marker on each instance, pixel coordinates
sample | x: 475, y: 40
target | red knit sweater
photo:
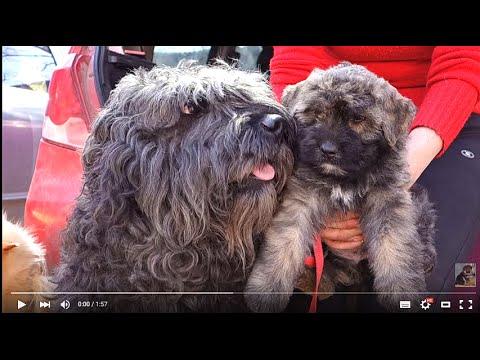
x: 443, y: 81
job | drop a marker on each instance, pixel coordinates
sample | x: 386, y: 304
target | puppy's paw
x: 390, y: 296
x: 401, y: 286
x: 265, y: 295
x: 266, y: 302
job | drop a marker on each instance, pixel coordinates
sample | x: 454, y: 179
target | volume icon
x: 65, y: 304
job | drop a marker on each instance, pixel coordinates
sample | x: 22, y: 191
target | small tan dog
x: 23, y: 268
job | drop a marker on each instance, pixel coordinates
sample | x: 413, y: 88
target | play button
x: 20, y: 304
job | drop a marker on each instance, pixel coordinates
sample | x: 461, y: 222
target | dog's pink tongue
x: 265, y: 172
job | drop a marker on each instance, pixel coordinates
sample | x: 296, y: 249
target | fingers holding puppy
x: 343, y: 233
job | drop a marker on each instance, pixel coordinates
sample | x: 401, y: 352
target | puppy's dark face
x: 348, y: 119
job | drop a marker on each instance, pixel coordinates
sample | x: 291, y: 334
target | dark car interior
x: 110, y: 66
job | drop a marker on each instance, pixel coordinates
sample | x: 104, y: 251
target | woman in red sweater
x: 443, y: 148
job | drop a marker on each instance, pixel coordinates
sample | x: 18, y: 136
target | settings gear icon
x: 426, y: 303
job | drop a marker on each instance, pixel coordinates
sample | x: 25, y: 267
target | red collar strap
x: 315, y: 261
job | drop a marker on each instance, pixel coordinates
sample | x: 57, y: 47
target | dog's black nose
x: 329, y: 148
x: 271, y: 122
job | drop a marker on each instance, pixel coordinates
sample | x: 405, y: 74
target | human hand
x: 423, y: 144
x: 343, y: 232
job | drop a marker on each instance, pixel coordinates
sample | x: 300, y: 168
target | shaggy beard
x: 250, y: 215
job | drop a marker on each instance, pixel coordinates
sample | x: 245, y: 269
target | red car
x: 77, y: 90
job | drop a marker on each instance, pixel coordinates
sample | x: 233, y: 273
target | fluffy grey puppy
x: 182, y: 171
x: 352, y: 130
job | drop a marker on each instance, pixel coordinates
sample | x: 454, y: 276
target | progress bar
x: 225, y: 293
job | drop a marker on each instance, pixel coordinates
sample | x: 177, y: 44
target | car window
x: 59, y: 53
x: 27, y: 67
x: 171, y: 55
x: 246, y: 56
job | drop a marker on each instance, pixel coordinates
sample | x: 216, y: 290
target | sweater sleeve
x: 453, y: 88
x: 292, y: 64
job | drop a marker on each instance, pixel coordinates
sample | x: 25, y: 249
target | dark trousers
x: 453, y: 183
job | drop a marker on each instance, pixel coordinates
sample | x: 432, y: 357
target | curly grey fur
x: 368, y: 120
x: 168, y: 202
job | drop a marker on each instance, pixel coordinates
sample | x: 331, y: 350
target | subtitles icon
x: 65, y: 304
x: 405, y: 304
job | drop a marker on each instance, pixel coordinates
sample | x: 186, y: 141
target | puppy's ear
x: 315, y: 75
x: 290, y: 94
x: 396, y: 127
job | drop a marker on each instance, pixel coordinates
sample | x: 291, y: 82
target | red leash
x: 316, y: 261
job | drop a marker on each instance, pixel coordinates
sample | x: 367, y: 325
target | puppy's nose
x: 329, y: 148
x: 271, y: 122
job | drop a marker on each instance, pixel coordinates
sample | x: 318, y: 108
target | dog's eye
x: 358, y: 119
x: 192, y: 107
x: 188, y: 108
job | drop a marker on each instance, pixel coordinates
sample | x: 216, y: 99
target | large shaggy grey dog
x: 352, y: 130
x: 182, y: 171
